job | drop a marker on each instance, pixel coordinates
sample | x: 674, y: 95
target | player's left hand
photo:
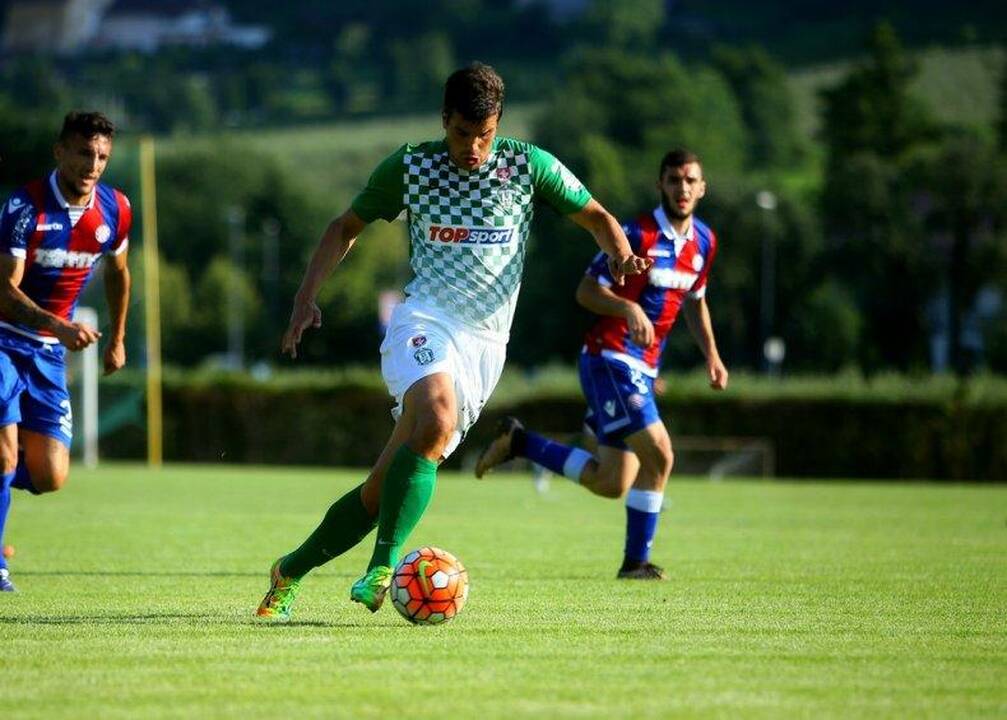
x: 115, y: 356
x: 717, y: 372
x: 305, y: 314
x: 629, y: 265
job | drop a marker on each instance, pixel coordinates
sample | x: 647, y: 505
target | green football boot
x: 370, y: 590
x: 282, y: 592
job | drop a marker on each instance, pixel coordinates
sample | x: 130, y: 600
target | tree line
x: 878, y: 245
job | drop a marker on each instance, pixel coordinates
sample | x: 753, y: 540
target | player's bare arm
x: 117, y: 285
x: 697, y: 317
x: 19, y: 307
x: 336, y: 241
x: 598, y: 299
x: 611, y: 239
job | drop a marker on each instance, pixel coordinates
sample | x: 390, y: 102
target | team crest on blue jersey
x: 102, y: 233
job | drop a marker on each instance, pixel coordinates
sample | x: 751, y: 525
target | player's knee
x: 49, y: 479
x: 658, y: 463
x: 434, y: 431
x: 610, y: 485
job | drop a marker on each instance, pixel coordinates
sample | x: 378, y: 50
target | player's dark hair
x: 677, y: 158
x: 86, y: 124
x: 476, y: 92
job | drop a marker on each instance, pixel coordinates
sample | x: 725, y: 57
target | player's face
x: 681, y: 188
x: 469, y: 143
x: 80, y: 162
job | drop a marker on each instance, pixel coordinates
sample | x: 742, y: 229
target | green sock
x: 408, y: 487
x: 345, y: 524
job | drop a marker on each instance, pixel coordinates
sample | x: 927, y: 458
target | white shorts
x: 421, y: 341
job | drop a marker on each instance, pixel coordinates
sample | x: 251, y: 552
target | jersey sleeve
x: 17, y: 223
x: 124, y: 225
x: 698, y: 289
x: 383, y: 197
x: 598, y: 269
x: 555, y: 184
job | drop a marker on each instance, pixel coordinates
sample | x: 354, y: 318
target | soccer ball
x: 430, y: 586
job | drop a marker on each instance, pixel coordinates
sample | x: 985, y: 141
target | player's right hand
x: 77, y: 336
x: 629, y: 265
x: 641, y: 329
x: 304, y: 315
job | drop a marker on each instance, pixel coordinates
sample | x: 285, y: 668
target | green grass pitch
x: 785, y: 600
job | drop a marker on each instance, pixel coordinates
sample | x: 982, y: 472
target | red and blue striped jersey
x: 60, y: 255
x: 681, y: 265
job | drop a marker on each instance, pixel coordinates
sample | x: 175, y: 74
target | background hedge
x: 846, y: 427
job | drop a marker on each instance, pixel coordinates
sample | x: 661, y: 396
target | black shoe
x: 643, y: 571
x: 500, y: 449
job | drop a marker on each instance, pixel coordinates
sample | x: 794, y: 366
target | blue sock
x: 561, y: 459
x: 22, y: 480
x: 5, y: 482
x: 642, y: 510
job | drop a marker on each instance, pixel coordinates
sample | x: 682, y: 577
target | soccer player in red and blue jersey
x: 620, y: 360
x: 53, y: 232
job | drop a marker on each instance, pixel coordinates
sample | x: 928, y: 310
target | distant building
x: 148, y: 25
x: 560, y: 10
x: 66, y: 27
x: 57, y: 27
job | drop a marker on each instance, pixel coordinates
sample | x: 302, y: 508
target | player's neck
x: 681, y: 226
x: 71, y: 196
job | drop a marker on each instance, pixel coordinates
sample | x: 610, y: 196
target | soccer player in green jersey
x: 468, y: 202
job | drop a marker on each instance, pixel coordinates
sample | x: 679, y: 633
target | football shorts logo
x: 424, y: 356
x: 610, y: 408
x: 418, y: 341
x: 697, y: 262
x: 102, y: 233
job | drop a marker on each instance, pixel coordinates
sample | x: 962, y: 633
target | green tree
x: 624, y: 23
x: 872, y: 110
x: 962, y: 195
x: 872, y: 126
x: 767, y: 105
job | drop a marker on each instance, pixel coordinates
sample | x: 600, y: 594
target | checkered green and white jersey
x: 468, y: 230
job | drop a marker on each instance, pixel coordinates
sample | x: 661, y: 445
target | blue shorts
x: 33, y: 392
x: 620, y: 399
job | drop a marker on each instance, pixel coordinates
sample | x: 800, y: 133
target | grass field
x: 786, y: 600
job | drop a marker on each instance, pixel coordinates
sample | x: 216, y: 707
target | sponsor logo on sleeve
x: 569, y: 179
x: 24, y: 224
